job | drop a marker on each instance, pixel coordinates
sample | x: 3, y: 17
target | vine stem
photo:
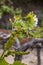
x: 2, y: 54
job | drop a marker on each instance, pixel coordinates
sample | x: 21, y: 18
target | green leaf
x: 18, y: 63
x: 3, y: 62
x: 21, y: 53
x: 10, y: 42
x: 6, y: 9
x: 11, y: 52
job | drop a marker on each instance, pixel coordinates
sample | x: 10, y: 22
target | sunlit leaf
x: 18, y: 63
x: 3, y: 62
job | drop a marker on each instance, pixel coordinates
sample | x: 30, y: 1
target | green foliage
x: 21, y: 29
x: 6, y: 10
x: 3, y: 62
x: 18, y: 63
x: 12, y: 52
x: 39, y: 32
x: 30, y: 20
x: 18, y: 11
x: 10, y: 42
